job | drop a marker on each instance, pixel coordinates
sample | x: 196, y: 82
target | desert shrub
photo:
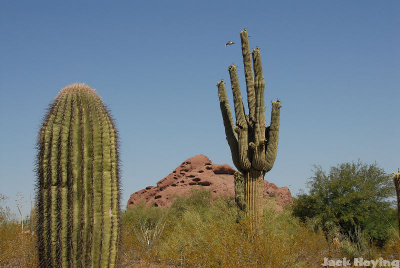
x: 352, y: 202
x: 17, y: 247
x: 199, y: 232
x: 141, y: 230
x: 5, y: 213
x: 199, y: 202
x: 391, y: 250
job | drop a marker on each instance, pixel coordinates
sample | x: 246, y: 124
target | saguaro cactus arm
x: 241, y: 121
x: 248, y: 72
x: 259, y: 160
x: 228, y: 122
x: 272, y: 136
x: 254, y: 146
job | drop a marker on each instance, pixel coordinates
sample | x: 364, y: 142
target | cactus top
x: 77, y: 88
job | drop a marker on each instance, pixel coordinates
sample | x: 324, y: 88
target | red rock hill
x: 199, y: 172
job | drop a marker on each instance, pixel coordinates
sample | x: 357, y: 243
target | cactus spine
x: 253, y: 146
x: 396, y: 180
x: 78, y: 182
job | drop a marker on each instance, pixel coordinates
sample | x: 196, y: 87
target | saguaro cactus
x: 396, y: 180
x: 78, y: 182
x: 253, y: 146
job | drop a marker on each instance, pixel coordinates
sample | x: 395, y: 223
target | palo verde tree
x: 353, y: 198
x: 78, y: 182
x: 253, y: 145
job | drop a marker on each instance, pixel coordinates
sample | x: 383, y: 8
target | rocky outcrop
x: 196, y: 173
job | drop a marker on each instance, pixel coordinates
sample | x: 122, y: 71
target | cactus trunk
x: 253, y: 194
x: 396, y: 180
x: 253, y: 145
x: 78, y: 182
x: 249, y: 193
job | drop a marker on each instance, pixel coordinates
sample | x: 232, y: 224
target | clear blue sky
x: 335, y: 65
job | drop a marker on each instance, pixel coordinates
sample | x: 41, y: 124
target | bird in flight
x: 229, y: 43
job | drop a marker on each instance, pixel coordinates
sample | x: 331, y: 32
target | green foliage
x: 199, y: 232
x: 199, y: 201
x: 353, y: 199
x: 78, y: 182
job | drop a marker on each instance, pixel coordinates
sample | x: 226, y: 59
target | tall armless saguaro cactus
x: 78, y: 182
x: 253, y: 146
x: 396, y: 180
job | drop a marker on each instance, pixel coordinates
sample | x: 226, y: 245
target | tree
x: 353, y: 197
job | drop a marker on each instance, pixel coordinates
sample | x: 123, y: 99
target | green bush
x: 199, y: 232
x: 353, y: 202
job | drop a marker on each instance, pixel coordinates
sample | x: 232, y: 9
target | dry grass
x: 17, y: 247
